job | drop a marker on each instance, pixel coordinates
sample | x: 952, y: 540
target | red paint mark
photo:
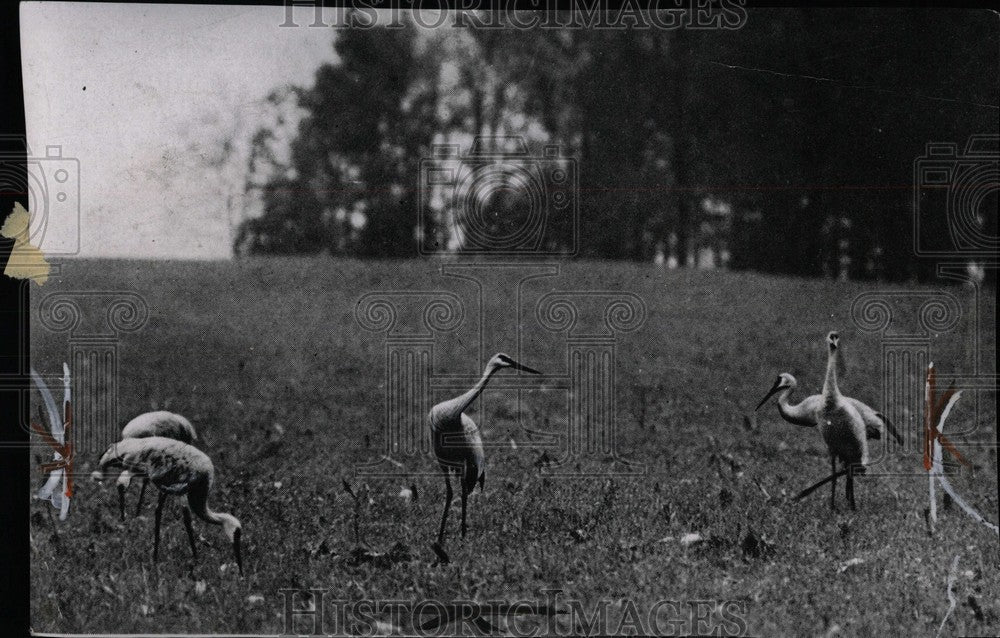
x: 932, y: 420
x: 64, y: 449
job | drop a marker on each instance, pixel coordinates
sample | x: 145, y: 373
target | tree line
x: 808, y: 125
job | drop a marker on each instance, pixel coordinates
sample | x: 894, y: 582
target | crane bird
x: 457, y: 444
x: 175, y: 468
x: 804, y: 413
x: 159, y: 423
x: 842, y: 428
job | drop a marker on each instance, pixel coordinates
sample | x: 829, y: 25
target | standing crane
x: 804, y: 413
x: 175, y: 468
x: 159, y: 423
x: 842, y: 428
x: 457, y: 444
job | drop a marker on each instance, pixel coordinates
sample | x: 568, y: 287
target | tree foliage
x: 805, y: 123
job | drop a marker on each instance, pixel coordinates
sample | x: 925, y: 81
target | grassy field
x: 244, y: 348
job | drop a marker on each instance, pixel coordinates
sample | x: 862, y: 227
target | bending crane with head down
x: 159, y: 423
x: 457, y: 444
x: 175, y: 468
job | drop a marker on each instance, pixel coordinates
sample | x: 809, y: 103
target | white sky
x: 163, y: 84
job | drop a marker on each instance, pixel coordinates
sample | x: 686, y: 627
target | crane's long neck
x: 830, y: 383
x: 798, y: 414
x: 464, y: 401
x: 788, y: 411
x: 198, y: 500
x: 216, y: 518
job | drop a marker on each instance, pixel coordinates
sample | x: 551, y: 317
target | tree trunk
x: 682, y: 156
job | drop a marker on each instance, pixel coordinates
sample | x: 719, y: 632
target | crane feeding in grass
x: 175, y: 468
x: 842, y: 428
x: 457, y: 444
x: 159, y: 423
x: 804, y: 413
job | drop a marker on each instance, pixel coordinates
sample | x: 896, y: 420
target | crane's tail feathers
x: 890, y: 427
x: 815, y: 486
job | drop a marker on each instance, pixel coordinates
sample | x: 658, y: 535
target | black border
x: 14, y: 294
x: 15, y: 586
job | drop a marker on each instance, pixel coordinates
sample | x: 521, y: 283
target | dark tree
x: 807, y: 123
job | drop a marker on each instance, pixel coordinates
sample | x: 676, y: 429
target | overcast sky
x: 138, y: 94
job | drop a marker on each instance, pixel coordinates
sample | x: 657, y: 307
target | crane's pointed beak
x: 237, y: 550
x: 518, y: 366
x: 771, y: 393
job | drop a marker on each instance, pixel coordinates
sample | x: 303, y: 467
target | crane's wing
x: 170, y: 474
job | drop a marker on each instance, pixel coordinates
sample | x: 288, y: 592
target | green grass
x: 238, y: 347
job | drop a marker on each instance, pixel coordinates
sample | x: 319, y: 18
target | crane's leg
x: 142, y: 491
x: 465, y: 494
x: 121, y: 500
x: 156, y: 528
x: 448, y: 495
x: 850, y: 486
x: 237, y: 552
x: 833, y: 484
x: 123, y: 483
x: 190, y: 530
